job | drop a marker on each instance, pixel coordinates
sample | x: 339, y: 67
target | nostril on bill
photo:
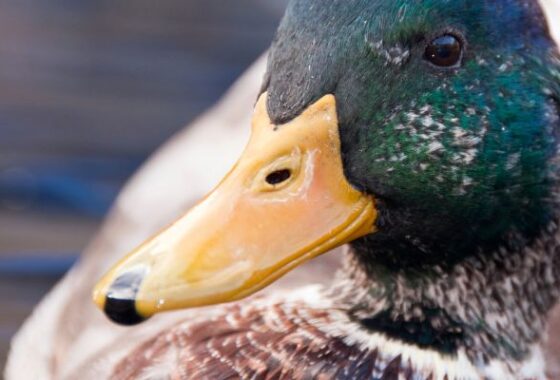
x: 120, y: 302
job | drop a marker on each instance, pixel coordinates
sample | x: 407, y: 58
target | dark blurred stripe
x: 41, y: 264
x: 85, y: 185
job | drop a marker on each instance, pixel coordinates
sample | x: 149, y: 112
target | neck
x: 492, y: 306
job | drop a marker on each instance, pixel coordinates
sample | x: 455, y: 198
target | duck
x: 419, y: 136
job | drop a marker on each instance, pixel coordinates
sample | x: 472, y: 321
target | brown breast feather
x: 272, y: 342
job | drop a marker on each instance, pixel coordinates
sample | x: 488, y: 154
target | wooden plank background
x: 88, y: 89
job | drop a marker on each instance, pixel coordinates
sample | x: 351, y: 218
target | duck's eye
x: 278, y: 176
x: 444, y: 51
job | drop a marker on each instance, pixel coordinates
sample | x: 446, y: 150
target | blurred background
x: 88, y: 89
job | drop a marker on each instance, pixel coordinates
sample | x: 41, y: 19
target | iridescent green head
x: 448, y: 110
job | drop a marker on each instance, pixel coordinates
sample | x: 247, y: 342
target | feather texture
x: 289, y: 339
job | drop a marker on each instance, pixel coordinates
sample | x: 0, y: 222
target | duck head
x: 423, y: 133
x: 446, y: 116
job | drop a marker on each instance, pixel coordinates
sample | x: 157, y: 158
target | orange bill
x: 286, y: 201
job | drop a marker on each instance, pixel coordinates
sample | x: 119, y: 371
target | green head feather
x: 462, y: 159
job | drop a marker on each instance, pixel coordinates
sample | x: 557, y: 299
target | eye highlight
x: 444, y: 51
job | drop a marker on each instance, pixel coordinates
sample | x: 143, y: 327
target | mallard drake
x: 421, y: 134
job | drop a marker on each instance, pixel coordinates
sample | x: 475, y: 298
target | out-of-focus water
x: 88, y: 89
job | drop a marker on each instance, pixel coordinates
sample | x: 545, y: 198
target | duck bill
x: 285, y: 201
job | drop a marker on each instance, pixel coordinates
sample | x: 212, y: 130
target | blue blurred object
x: 41, y: 264
x: 79, y: 185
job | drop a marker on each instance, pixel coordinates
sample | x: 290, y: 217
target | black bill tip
x: 122, y: 311
x: 120, y: 303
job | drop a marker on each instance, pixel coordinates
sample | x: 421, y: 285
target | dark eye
x: 444, y: 51
x: 278, y: 176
